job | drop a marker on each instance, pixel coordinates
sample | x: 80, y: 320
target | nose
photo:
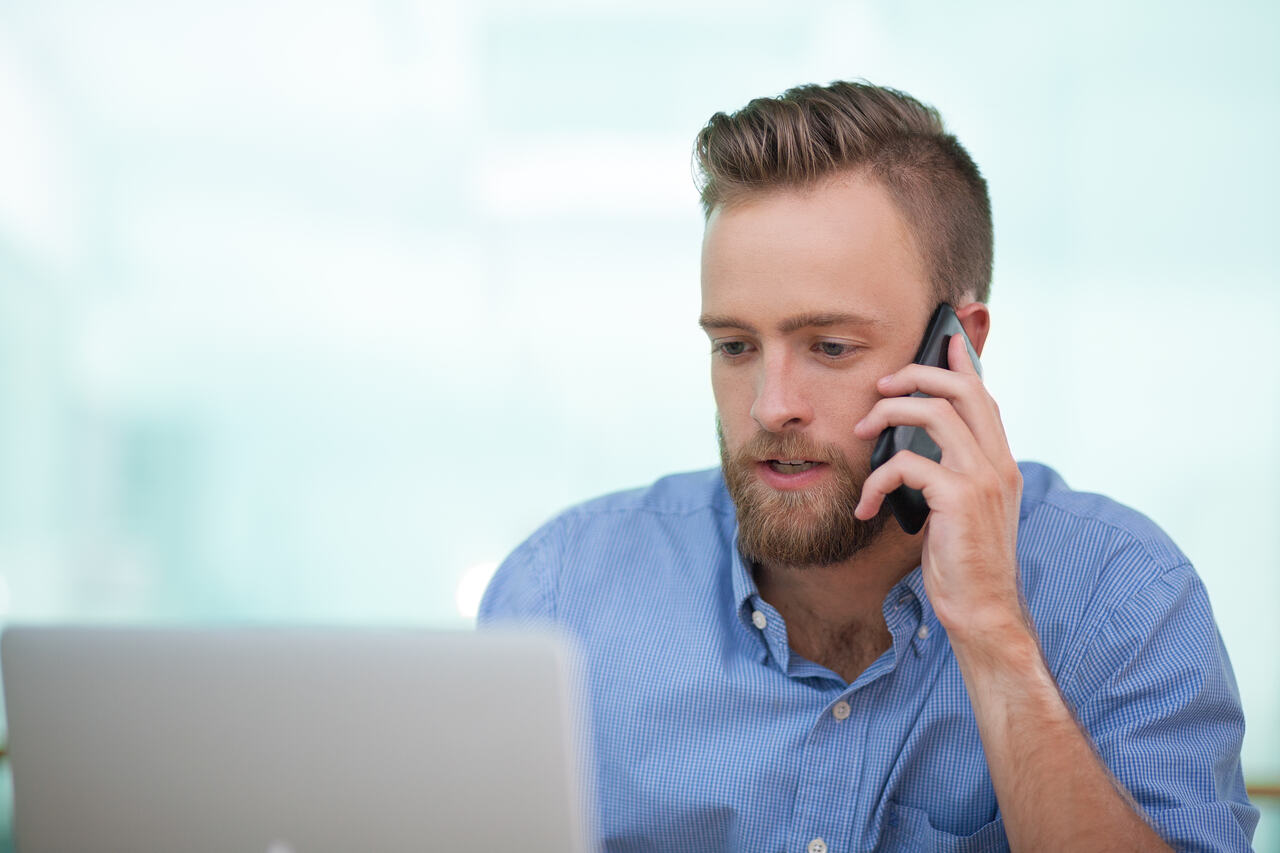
x: 781, y: 403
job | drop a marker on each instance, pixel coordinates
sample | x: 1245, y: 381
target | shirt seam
x: 1141, y: 541
x: 1162, y: 567
x: 545, y: 565
x: 1090, y: 638
x: 549, y: 555
x: 588, y: 512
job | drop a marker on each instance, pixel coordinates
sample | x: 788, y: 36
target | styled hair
x: 810, y: 134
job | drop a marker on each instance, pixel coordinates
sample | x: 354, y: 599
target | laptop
x: 292, y: 740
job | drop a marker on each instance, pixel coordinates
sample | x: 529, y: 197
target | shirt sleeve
x: 521, y: 591
x: 1161, y: 702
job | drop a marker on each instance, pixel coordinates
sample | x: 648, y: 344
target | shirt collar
x: 913, y: 583
x: 745, y: 596
x: 744, y: 583
x: 909, y: 589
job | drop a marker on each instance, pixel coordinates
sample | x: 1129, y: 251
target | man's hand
x: 970, y: 561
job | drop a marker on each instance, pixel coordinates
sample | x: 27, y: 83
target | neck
x: 834, y: 613
x: 832, y: 594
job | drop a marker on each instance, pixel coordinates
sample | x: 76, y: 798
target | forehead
x: 840, y: 246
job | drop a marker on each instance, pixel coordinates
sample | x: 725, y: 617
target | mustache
x: 767, y: 445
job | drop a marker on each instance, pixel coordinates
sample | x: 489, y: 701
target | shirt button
x: 841, y: 710
x: 817, y: 845
x: 923, y: 633
x: 757, y: 619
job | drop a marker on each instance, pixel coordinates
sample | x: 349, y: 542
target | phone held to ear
x: 908, y: 504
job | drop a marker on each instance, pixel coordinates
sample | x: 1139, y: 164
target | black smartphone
x: 908, y: 504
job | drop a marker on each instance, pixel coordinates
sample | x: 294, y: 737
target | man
x: 773, y: 663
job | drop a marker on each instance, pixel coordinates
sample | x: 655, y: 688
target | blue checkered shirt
x: 711, y: 734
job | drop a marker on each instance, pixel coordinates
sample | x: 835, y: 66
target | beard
x: 810, y: 527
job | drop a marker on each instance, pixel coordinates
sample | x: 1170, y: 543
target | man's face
x: 808, y: 298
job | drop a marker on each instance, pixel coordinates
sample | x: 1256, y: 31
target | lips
x: 790, y: 466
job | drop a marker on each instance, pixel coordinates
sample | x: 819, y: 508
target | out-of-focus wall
x: 311, y: 312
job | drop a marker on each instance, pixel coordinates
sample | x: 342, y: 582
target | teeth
x: 790, y: 467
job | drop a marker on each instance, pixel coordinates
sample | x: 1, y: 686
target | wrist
x: 994, y: 629
x: 998, y: 650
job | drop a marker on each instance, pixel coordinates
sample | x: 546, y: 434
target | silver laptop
x: 292, y: 740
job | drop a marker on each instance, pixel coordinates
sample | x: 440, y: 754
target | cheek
x: 732, y: 393
x: 844, y: 408
x: 847, y: 397
x: 863, y: 402
x: 734, y: 398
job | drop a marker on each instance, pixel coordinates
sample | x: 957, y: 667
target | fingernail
x: 885, y: 380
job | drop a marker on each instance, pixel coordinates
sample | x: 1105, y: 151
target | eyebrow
x: 808, y: 320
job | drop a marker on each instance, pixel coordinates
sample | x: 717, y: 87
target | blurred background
x: 310, y: 312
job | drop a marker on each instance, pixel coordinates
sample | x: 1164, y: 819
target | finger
x: 958, y: 356
x: 948, y: 382
x: 903, y: 469
x: 934, y: 381
x: 938, y: 417
x: 967, y: 394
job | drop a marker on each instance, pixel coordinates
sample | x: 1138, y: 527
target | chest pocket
x: 909, y: 829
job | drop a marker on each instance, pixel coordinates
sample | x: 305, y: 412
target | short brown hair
x: 811, y: 133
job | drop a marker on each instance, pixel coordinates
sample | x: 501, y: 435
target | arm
x: 1054, y: 792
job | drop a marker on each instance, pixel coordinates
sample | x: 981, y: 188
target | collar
x: 906, y: 609
x: 766, y: 632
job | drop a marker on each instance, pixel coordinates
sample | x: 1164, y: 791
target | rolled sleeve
x: 1158, y: 695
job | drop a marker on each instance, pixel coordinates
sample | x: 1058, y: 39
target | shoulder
x: 675, y: 495
x: 1078, y: 550
x: 1089, y: 562
x: 631, y: 511
x: 607, y: 545
x: 1084, y: 526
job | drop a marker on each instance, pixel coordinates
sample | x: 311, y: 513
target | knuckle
x: 1013, y: 476
x: 902, y: 457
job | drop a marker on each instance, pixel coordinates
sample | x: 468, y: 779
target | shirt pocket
x: 906, y: 828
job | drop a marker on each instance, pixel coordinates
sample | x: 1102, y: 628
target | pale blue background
x: 308, y: 308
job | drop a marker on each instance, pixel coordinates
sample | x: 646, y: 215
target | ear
x: 976, y: 320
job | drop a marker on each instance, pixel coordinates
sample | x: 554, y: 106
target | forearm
x: 1054, y: 791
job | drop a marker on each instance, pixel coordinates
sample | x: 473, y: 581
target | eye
x: 834, y: 349
x: 730, y: 349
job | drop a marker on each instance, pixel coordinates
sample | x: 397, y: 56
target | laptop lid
x: 291, y: 740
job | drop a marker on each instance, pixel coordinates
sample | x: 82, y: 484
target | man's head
x: 837, y: 219
x: 809, y: 134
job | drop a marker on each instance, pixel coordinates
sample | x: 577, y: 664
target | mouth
x: 790, y: 466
